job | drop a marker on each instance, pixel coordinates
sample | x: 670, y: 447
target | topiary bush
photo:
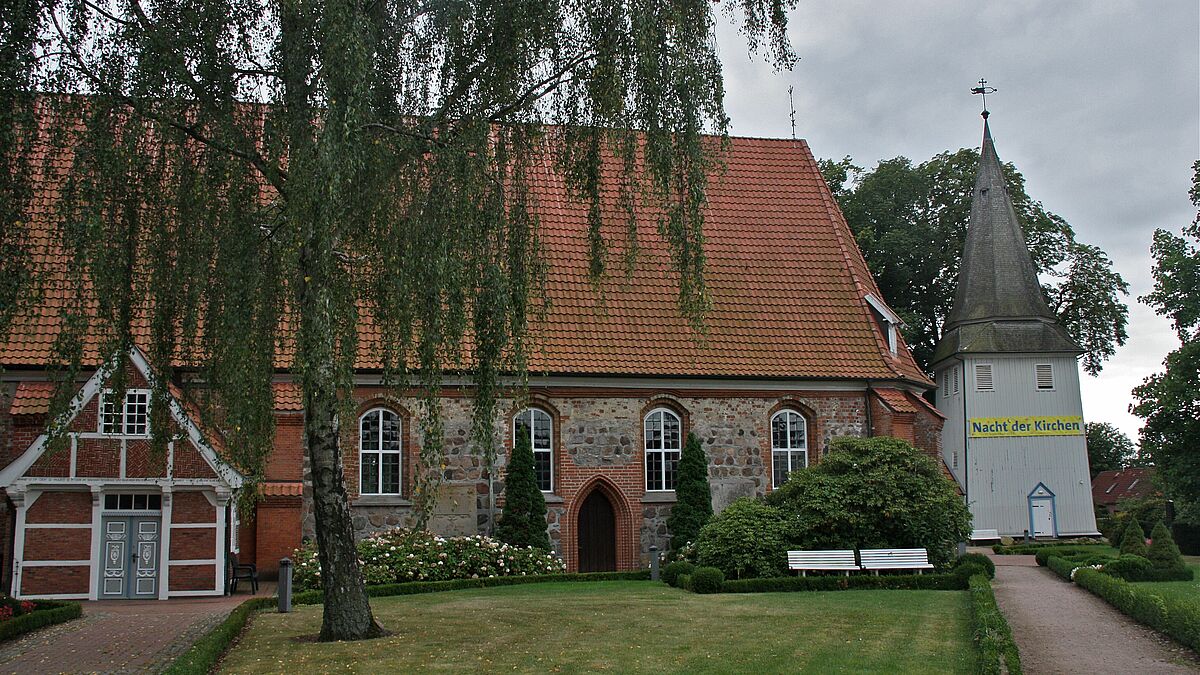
x: 1134, y: 540
x: 400, y: 555
x: 875, y: 493
x: 523, y: 521
x: 1127, y: 567
x: 747, y: 539
x: 707, y: 580
x: 1163, y: 553
x: 693, y: 499
x: 979, y: 560
x: 672, y: 571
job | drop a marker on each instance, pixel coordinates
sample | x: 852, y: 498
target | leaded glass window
x: 789, y: 445
x: 379, y: 452
x: 663, y: 434
x: 536, y: 425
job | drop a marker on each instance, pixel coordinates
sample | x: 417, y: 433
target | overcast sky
x: 1098, y: 106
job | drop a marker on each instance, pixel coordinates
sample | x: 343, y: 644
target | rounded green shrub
x: 746, y: 540
x: 969, y: 569
x: 707, y: 580
x: 685, y: 582
x: 979, y: 560
x: 875, y: 493
x: 672, y: 571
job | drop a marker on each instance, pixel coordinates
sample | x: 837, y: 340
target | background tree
x: 523, y: 521
x: 693, y: 499
x: 1108, y: 448
x: 1169, y: 401
x: 910, y: 222
x: 251, y: 182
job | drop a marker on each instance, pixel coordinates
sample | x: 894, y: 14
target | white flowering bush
x: 400, y: 555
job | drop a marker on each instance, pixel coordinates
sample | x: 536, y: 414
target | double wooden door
x: 130, y: 555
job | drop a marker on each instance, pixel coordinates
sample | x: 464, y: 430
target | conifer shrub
x: 672, y: 571
x: 1134, y: 541
x: 523, y: 521
x: 1163, y: 553
x: 707, y: 580
x: 980, y: 560
x: 693, y: 498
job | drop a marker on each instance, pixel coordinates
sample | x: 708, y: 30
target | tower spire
x: 999, y: 305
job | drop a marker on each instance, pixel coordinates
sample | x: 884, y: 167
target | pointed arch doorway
x: 597, y: 534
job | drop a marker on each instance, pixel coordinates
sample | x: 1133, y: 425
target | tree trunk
x: 347, y: 614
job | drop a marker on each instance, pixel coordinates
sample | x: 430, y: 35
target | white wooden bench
x: 876, y: 559
x: 985, y: 535
x: 805, y: 561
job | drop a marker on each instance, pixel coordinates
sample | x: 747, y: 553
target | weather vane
x: 792, y: 105
x: 984, y: 90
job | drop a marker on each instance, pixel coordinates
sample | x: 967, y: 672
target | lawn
x: 629, y: 627
x: 1180, y: 590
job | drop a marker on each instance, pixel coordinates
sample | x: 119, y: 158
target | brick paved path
x: 1061, y: 628
x: 115, y: 636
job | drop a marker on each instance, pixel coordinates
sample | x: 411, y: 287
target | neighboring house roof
x: 1110, y: 487
x: 999, y: 305
x: 32, y: 398
x: 787, y: 283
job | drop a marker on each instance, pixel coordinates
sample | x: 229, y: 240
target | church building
x: 1008, y: 382
x: 800, y: 349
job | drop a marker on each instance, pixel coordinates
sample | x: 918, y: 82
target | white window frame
x: 1053, y: 384
x: 890, y: 319
x: 380, y: 452
x: 791, y: 449
x: 991, y: 377
x: 123, y: 416
x: 548, y: 451
x: 664, y: 450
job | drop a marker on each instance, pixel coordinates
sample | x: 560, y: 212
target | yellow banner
x: 998, y: 427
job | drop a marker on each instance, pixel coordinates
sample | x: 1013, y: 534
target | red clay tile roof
x: 786, y: 280
x: 270, y: 489
x: 32, y: 398
x: 288, y: 396
x: 1110, y: 487
x: 897, y: 401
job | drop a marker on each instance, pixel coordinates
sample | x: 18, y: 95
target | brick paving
x: 115, y: 636
x: 1061, y: 628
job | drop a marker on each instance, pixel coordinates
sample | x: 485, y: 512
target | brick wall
x: 192, y: 507
x: 277, y: 524
x: 44, y: 543
x: 193, y: 543
x: 192, y: 578
x: 61, y: 507
x: 54, y: 580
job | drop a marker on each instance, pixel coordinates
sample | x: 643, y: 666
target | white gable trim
x: 19, y: 466
x: 879, y: 306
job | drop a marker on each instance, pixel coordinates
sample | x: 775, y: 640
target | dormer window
x: 887, y: 321
x: 132, y: 419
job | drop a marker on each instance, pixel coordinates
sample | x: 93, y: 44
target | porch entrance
x: 597, y: 534
x: 129, y: 557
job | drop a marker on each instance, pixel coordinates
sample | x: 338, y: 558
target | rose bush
x: 400, y: 555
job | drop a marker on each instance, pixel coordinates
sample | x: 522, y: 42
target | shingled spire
x: 998, y: 305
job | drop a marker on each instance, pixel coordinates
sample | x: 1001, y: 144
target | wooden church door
x: 597, y: 534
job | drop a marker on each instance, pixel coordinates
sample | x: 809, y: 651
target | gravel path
x: 1061, y: 628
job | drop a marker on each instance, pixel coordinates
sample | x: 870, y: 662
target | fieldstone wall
x: 597, y: 437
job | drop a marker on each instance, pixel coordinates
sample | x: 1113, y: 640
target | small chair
x: 239, y: 571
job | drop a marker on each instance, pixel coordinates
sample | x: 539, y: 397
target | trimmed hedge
x: 1061, y: 566
x: 1035, y: 546
x: 991, y: 630
x: 48, y: 613
x: 979, y: 559
x: 203, y: 655
x: 906, y: 582
x: 1180, y: 620
x: 1066, y: 552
